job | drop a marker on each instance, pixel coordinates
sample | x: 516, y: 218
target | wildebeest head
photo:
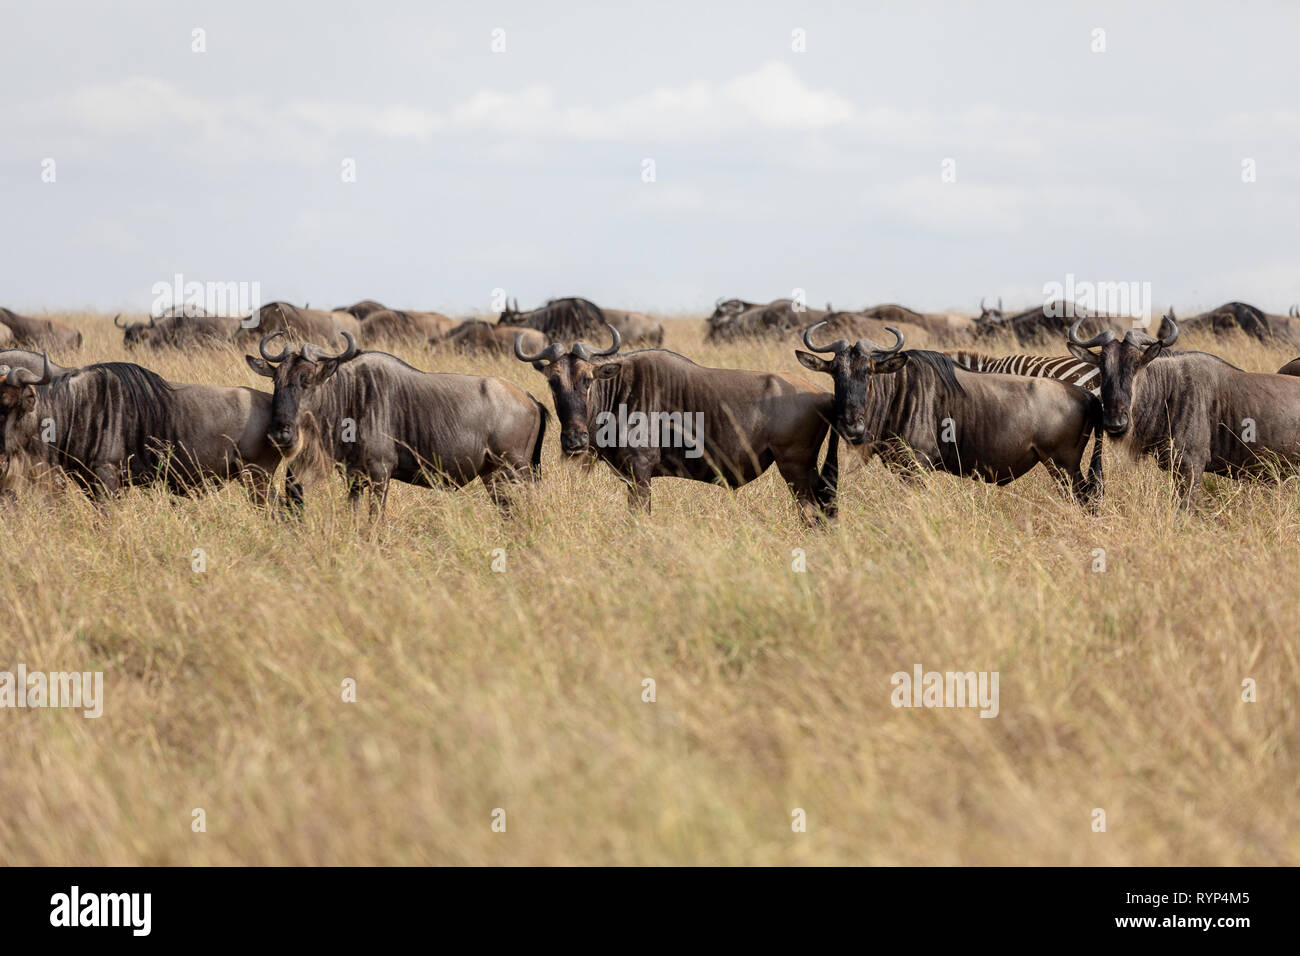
x: 570, y: 376
x: 18, y: 425
x: 991, y: 316
x: 1120, y: 360
x: 851, y: 368
x: 293, y: 373
x: 134, y: 333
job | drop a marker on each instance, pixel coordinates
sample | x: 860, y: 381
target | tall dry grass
x: 522, y: 690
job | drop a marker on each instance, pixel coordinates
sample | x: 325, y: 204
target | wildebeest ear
x: 260, y: 365
x: 608, y: 369
x: 1083, y: 355
x: 891, y: 364
x: 1151, y: 351
x: 813, y: 362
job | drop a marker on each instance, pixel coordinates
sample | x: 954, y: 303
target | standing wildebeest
x: 363, y: 310
x: 380, y: 419
x: 657, y: 414
x: 116, y: 423
x: 475, y: 335
x: 29, y: 333
x: 1192, y: 411
x: 296, y: 323
x: 179, y: 330
x: 1046, y: 321
x: 575, y: 318
x: 918, y: 409
x: 393, y: 327
x: 1232, y: 316
x: 1062, y: 368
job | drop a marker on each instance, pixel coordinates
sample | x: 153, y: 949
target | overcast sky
x: 525, y: 169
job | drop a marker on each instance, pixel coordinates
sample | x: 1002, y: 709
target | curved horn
x: 519, y: 351
x: 895, y: 347
x: 1172, y: 336
x: 983, y: 308
x: 151, y: 320
x: 348, y: 353
x: 615, y: 338
x: 839, y: 345
x: 1101, y: 338
x: 261, y: 347
x: 117, y: 323
x: 24, y: 376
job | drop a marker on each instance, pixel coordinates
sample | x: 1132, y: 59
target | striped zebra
x: 1064, y: 368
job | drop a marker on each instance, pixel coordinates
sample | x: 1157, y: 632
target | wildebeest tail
x: 541, y: 434
x: 828, y: 478
x: 1095, y: 480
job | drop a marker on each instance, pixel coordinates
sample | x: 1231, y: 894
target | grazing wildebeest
x: 1233, y: 316
x: 179, y: 330
x: 864, y: 325
x: 1192, y: 411
x: 1063, y: 368
x: 1047, y: 321
x: 574, y: 318
x: 655, y: 413
x: 771, y: 321
x: 394, y: 327
x: 474, y: 335
x: 364, y: 309
x: 30, y: 333
x: 918, y: 409
x: 115, y: 423
x: 944, y: 327
x: 298, y: 324
x: 377, y: 418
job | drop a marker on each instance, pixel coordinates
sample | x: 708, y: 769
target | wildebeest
x: 298, y: 324
x: 942, y: 327
x: 1192, y: 411
x: 378, y: 418
x: 864, y: 325
x: 32, y: 361
x: 1045, y: 322
x: 474, y: 335
x: 30, y: 333
x: 116, y: 423
x: 1063, y: 368
x: 655, y: 413
x: 1234, y: 316
x: 919, y: 409
x: 771, y: 321
x: 394, y: 327
x: 574, y: 318
x: 179, y: 330
x: 363, y: 310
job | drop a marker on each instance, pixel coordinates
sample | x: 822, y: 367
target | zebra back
x: 1065, y: 368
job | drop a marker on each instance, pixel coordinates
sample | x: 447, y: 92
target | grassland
x: 522, y: 690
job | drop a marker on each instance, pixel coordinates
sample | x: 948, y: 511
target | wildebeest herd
x: 648, y: 412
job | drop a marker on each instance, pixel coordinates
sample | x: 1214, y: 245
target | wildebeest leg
x: 293, y: 503
x: 1187, y: 480
x: 638, y: 472
x: 378, y: 482
x: 106, y: 484
x: 500, y: 482
x: 802, y: 478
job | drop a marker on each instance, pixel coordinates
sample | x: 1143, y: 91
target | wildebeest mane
x: 943, y: 367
